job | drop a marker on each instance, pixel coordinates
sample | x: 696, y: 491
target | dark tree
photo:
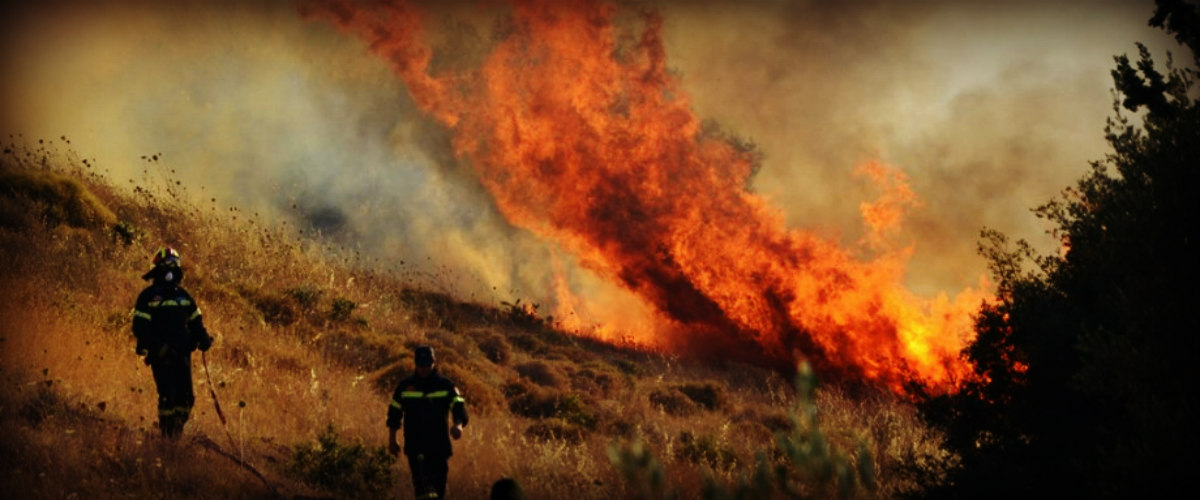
x: 1088, y: 358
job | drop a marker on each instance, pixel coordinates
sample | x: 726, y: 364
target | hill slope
x: 309, y: 343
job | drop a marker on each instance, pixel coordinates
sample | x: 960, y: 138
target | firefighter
x: 426, y: 403
x: 168, y: 327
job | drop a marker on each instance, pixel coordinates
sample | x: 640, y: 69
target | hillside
x: 310, y: 340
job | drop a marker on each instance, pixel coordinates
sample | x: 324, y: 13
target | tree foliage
x: 1086, y: 357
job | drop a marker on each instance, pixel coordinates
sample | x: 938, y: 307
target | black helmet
x: 423, y: 356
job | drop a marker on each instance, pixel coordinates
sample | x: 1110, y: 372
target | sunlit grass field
x: 310, y: 340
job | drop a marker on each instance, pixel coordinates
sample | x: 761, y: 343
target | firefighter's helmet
x: 423, y: 356
x: 167, y: 256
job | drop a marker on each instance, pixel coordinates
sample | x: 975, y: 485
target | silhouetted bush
x: 673, y: 402
x: 708, y: 395
x: 341, y: 308
x: 1082, y: 387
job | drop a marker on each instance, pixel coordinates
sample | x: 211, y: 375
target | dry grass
x: 310, y: 337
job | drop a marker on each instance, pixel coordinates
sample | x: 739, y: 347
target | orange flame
x: 584, y: 137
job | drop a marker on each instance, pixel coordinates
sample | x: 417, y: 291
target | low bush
x: 672, y: 402
x: 496, y: 349
x: 541, y: 403
x: 348, y: 470
x: 709, y: 395
x: 341, y: 308
x: 541, y: 374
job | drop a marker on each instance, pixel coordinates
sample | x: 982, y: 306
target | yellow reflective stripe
x: 460, y: 399
x: 171, y: 302
x: 419, y: 394
x: 140, y: 314
x: 195, y: 314
x: 182, y: 410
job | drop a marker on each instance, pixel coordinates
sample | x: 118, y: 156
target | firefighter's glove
x: 393, y: 448
x: 205, y: 343
x: 456, y: 431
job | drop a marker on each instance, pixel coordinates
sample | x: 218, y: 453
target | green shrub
x: 306, y: 296
x: 348, y: 470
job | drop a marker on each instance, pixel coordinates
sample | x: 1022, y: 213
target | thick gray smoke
x: 989, y: 107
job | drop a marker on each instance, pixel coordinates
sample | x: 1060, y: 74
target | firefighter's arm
x: 199, y: 334
x: 458, y: 410
x: 141, y: 327
x: 395, y: 416
x: 392, y: 446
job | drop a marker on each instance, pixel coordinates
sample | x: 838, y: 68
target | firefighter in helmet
x: 432, y: 411
x: 168, y: 327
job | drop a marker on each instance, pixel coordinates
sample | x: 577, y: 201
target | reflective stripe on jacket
x: 166, y: 316
x: 425, y: 407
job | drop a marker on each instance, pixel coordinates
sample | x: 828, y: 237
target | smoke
x: 990, y: 108
x: 251, y: 105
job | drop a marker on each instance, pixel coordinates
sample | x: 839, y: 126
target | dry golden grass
x: 309, y: 337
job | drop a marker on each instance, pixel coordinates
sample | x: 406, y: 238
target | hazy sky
x: 990, y: 108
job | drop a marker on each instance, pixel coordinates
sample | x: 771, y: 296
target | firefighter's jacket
x: 167, y: 321
x: 423, y: 406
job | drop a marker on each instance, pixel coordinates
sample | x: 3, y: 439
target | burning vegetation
x: 583, y: 136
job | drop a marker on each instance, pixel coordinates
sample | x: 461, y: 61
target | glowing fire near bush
x: 582, y: 136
